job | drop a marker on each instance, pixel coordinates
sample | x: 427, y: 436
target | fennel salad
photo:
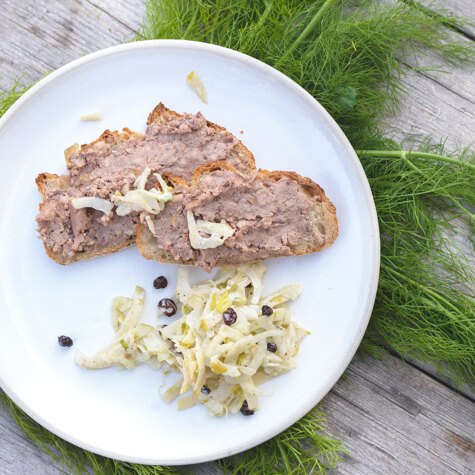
x: 229, y: 339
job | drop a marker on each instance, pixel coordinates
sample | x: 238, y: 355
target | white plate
x: 118, y: 413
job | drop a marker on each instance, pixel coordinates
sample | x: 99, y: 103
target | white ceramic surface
x: 118, y: 413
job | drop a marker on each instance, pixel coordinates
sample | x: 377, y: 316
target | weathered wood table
x: 394, y: 417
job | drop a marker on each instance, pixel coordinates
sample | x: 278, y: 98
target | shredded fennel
x: 139, y: 199
x: 221, y: 365
x: 218, y: 232
x: 152, y: 201
x: 134, y: 342
x: 195, y: 83
x: 91, y: 117
x: 93, y: 202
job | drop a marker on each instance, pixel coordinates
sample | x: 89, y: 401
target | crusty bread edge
x: 160, y: 111
x: 145, y: 240
x: 312, y: 189
x: 116, y: 136
x: 48, y: 182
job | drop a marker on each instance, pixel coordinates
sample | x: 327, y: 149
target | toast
x: 315, y: 207
x: 47, y: 182
x: 50, y: 183
x: 108, y: 145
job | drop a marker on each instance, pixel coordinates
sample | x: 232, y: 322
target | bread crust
x: 115, y: 137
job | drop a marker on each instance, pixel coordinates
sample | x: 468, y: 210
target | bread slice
x: 161, y: 115
x: 47, y: 182
x: 322, y: 215
x: 113, y: 139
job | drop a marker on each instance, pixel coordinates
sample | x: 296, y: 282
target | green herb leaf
x: 424, y: 307
x: 303, y: 448
x: 8, y: 98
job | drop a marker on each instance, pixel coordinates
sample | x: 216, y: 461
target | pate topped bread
x: 173, y: 143
x: 259, y: 215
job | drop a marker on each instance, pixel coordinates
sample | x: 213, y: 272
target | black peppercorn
x: 160, y: 282
x: 167, y: 306
x: 65, y: 341
x: 229, y: 316
x: 205, y: 390
x: 245, y: 409
x: 272, y: 347
x: 267, y: 311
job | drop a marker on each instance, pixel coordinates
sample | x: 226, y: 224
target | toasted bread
x: 47, y: 182
x: 160, y: 114
x: 323, y: 219
x: 241, y: 153
x: 113, y: 139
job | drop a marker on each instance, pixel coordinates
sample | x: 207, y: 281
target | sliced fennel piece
x: 195, y: 83
x: 134, y: 342
x: 289, y: 292
x: 93, y: 202
x: 218, y: 233
x: 150, y: 224
x: 139, y: 199
x: 91, y: 117
x: 152, y: 201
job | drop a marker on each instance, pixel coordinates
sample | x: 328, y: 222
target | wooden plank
x: 432, y: 371
x: 458, y: 79
x: 431, y: 109
x: 394, y: 419
x: 38, y: 36
x: 462, y: 8
x: 19, y: 455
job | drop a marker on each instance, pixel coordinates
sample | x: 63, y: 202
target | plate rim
x: 373, y: 235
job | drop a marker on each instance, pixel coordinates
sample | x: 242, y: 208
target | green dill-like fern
x: 8, y: 98
x: 349, y: 56
x: 302, y: 449
x: 424, y: 305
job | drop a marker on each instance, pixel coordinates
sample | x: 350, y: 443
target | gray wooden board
x: 392, y: 417
x: 462, y: 8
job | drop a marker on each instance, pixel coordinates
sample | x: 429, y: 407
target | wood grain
x: 19, y: 455
x: 392, y: 417
x: 430, y: 108
x: 458, y: 79
x: 396, y: 419
x: 462, y: 8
